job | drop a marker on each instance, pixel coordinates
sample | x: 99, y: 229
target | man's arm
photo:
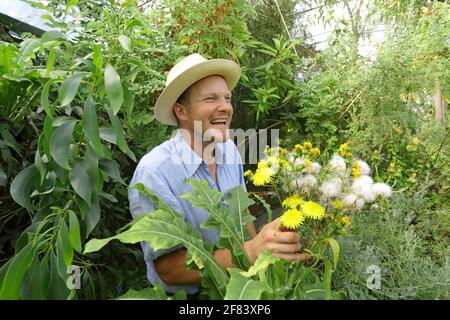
x: 172, y: 270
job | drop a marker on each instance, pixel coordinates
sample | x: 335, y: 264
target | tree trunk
x: 440, y: 105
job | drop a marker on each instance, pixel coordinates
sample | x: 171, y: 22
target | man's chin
x: 216, y: 135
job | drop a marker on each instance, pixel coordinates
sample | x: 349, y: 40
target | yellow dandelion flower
x: 313, y: 210
x: 247, y: 173
x: 343, y: 150
x: 345, y: 221
x: 292, y: 219
x: 284, y: 163
x: 307, y: 145
x: 298, y: 148
x: 314, y: 152
x: 292, y: 202
x: 338, y: 204
x: 355, y: 170
x: 308, y: 164
x: 262, y: 176
x: 283, y: 151
x: 263, y: 164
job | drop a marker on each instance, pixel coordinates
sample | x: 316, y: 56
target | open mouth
x: 218, y: 122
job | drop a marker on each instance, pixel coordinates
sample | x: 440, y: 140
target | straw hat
x: 187, y: 72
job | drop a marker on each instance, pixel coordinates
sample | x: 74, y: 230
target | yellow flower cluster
x: 292, y: 219
x: 345, y: 221
x: 299, y: 210
x: 308, y: 145
x: 356, y: 170
x: 292, y: 202
x: 247, y: 173
x: 314, y: 152
x: 343, y: 150
x: 298, y: 148
x: 338, y: 204
x: 263, y: 175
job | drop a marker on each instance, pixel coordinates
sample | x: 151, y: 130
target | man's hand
x: 285, y: 245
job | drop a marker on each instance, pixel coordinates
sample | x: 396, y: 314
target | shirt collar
x: 191, y: 159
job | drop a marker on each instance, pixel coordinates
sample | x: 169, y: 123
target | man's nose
x: 224, y: 105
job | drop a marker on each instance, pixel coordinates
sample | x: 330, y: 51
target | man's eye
x: 210, y: 99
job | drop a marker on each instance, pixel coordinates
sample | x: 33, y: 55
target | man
x: 197, y: 98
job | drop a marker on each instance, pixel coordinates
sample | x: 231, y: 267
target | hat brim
x: 229, y: 70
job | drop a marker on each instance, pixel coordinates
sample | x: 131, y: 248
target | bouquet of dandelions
x: 318, y: 200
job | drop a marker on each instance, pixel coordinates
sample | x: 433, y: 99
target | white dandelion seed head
x: 316, y: 167
x: 286, y: 171
x: 362, y: 187
x: 381, y: 190
x: 338, y: 164
x: 299, y: 162
x: 331, y: 188
x: 359, y: 204
x: 364, y: 168
x: 290, y: 158
x: 305, y: 183
x: 349, y: 200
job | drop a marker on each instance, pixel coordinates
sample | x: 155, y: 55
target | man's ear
x: 180, y: 111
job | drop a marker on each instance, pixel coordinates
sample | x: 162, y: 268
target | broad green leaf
x: 60, y: 143
x: 3, y: 177
x: 265, y: 259
x: 74, y: 231
x: 22, y: 185
x: 160, y: 204
x: 27, y: 48
x: 266, y: 206
x: 155, y: 293
x: 35, y: 283
x: 84, y: 175
x: 17, y: 268
x: 39, y: 163
x: 111, y: 168
x: 163, y: 231
x: 129, y: 104
x: 44, y: 97
x: 335, y: 248
x: 8, y: 53
x: 50, y: 62
x: 10, y: 141
x: 327, y: 278
x: 205, y: 197
x: 51, y: 35
x: 91, y: 216
x: 243, y: 288
x: 120, y: 137
x: 63, y: 246
x: 97, y: 57
x: 59, y: 121
x: 57, y: 287
x: 69, y: 88
x: 134, y: 23
x: 238, y: 202
x: 125, y: 42
x: 108, y: 135
x: 90, y: 125
x: 118, y: 134
x: 113, y: 88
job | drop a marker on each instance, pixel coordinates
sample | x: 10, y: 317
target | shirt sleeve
x: 140, y: 204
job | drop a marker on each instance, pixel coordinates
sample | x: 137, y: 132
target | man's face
x: 210, y: 105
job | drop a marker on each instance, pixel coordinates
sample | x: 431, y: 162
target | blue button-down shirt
x: 163, y: 171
